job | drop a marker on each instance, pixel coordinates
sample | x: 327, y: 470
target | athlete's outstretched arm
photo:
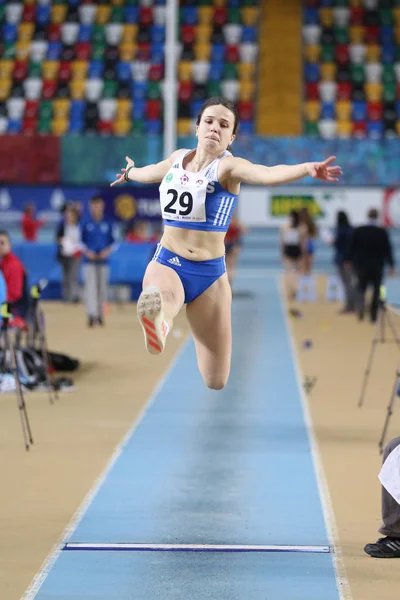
x: 150, y: 174
x: 244, y: 171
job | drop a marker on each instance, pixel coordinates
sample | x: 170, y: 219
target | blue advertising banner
x: 122, y: 204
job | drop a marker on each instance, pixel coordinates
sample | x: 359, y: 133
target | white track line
x: 342, y: 582
x: 79, y: 546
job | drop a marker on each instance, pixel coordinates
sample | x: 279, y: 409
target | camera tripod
x: 384, y: 319
x: 9, y: 352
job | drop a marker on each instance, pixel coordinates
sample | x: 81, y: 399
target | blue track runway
x: 213, y: 489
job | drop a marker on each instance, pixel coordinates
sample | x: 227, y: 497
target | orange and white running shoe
x: 151, y: 316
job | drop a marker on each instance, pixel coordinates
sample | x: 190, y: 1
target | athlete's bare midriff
x: 193, y: 244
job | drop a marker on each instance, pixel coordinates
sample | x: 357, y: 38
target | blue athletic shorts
x: 196, y: 275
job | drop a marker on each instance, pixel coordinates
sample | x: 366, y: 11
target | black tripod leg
x: 389, y: 411
x: 26, y: 429
x: 43, y: 347
x: 370, y: 358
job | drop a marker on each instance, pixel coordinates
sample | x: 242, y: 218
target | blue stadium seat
x: 124, y: 71
x: 388, y: 53
x: 9, y: 32
x: 312, y: 72
x: 54, y: 50
x: 77, y: 108
x: 157, y: 53
x: 359, y: 110
x: 375, y: 129
x: 249, y: 34
x: 218, y: 52
x: 96, y: 69
x: 139, y: 109
x: 328, y: 110
x: 311, y: 16
x: 43, y: 14
x: 14, y: 126
x: 139, y: 90
x: 195, y: 108
x: 189, y: 15
x: 216, y: 71
x: 247, y: 127
x: 157, y: 33
x: 386, y: 34
x: 154, y: 126
x: 85, y: 33
x: 131, y: 14
x: 76, y: 125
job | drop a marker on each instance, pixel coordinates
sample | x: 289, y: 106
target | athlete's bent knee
x: 215, y: 382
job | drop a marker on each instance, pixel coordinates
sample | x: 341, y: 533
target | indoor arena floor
x: 144, y: 484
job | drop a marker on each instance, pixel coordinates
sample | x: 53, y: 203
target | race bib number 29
x: 178, y: 203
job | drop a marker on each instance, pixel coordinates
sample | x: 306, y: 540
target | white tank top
x: 290, y: 236
x: 196, y: 200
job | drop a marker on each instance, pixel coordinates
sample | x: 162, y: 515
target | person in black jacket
x: 343, y: 234
x: 369, y: 251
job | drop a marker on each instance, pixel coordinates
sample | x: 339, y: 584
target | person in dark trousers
x: 69, y: 252
x: 368, y: 253
x: 343, y: 234
x: 14, y: 276
x: 97, y: 242
x: 388, y: 546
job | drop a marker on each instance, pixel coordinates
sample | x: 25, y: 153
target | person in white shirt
x: 292, y: 243
x: 69, y: 253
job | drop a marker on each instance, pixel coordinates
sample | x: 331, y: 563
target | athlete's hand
x: 121, y: 176
x: 324, y: 170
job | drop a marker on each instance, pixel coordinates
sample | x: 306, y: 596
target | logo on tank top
x: 169, y: 177
x: 199, y: 182
x: 184, y: 179
x: 210, y: 188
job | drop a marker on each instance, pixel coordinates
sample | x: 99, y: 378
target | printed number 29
x: 185, y: 203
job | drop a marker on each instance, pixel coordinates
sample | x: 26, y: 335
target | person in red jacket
x: 30, y: 225
x: 14, y: 275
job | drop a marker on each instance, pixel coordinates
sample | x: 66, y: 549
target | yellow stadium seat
x: 312, y: 110
x: 205, y: 15
x: 77, y: 89
x: 5, y: 87
x: 246, y: 90
x: 246, y: 71
x: 124, y: 107
x: 250, y: 15
x: 127, y: 51
x: 58, y: 13
x: 328, y: 71
x: 129, y: 33
x: 373, y: 53
x: 397, y: 33
x: 326, y: 17
x: 22, y: 50
x: 6, y: 68
x: 344, y: 129
x: 343, y: 110
x: 203, y: 33
x: 59, y: 126
x: 202, y: 52
x: 103, y: 14
x: 373, y: 91
x: 61, y: 107
x: 185, y: 69
x: 118, y: 2
x: 50, y: 69
x: 356, y: 34
x: 312, y: 52
x: 25, y: 31
x: 398, y: 127
x: 396, y: 15
x: 29, y: 2
x: 122, y: 126
x: 184, y: 126
x: 79, y: 69
x: 219, y: 3
x: 356, y: 3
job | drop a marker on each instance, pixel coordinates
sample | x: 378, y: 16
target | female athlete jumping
x: 198, y: 192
